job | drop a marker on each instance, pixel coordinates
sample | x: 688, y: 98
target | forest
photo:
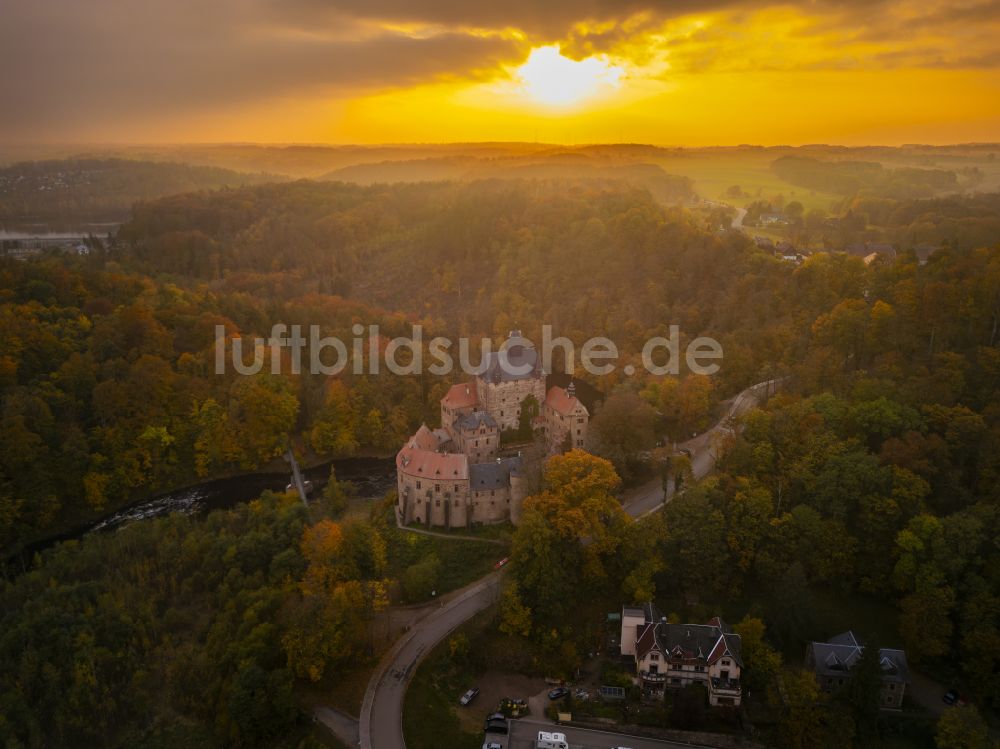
x: 93, y: 189
x: 871, y: 477
x: 866, y: 177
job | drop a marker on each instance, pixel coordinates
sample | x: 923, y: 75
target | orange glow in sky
x: 389, y: 71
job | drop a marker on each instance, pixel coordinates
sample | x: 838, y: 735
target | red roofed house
x: 677, y: 655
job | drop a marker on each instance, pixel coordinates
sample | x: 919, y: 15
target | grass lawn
x: 495, y: 532
x: 430, y: 717
x: 462, y: 561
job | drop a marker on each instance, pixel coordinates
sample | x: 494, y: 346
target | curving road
x: 381, y: 723
x: 645, y: 499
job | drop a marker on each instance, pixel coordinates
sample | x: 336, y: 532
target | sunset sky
x: 364, y: 71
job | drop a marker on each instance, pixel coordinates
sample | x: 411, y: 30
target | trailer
x: 548, y: 740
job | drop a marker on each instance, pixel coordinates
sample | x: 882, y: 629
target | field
x: 714, y: 171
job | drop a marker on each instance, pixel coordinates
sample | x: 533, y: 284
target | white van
x: 548, y: 740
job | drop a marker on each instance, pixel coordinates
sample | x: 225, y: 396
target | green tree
x: 862, y: 692
x: 762, y: 662
x: 621, y: 429
x: 421, y: 579
x: 962, y: 728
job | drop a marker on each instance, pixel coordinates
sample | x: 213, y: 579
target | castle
x: 455, y: 476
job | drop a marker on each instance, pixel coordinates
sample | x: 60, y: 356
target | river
x: 372, y: 478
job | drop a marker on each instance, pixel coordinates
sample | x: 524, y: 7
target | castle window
x: 437, y: 487
x: 437, y: 502
x: 418, y: 484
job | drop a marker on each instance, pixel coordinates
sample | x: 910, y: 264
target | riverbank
x: 372, y: 475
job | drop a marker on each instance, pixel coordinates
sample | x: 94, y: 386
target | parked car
x: 581, y: 694
x: 558, y: 693
x: 952, y: 697
x: 501, y: 563
x: 496, y: 723
x: 468, y: 697
x: 492, y: 745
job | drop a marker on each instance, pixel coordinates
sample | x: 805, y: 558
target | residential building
x: 670, y: 655
x: 833, y: 660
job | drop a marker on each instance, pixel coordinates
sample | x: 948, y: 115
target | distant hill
x: 103, y: 189
x: 864, y: 177
x: 558, y: 164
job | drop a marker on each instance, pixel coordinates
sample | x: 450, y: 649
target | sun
x: 552, y: 79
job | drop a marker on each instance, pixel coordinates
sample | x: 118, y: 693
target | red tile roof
x: 645, y: 642
x: 431, y: 465
x: 560, y: 401
x: 461, y: 395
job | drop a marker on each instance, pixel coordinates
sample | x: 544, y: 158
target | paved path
x: 381, y: 722
x: 342, y: 725
x: 741, y: 213
x: 927, y: 693
x: 449, y: 536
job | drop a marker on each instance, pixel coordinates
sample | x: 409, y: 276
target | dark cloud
x: 546, y: 19
x: 70, y: 64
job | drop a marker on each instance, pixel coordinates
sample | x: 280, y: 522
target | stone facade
x: 455, y: 476
x: 564, y: 420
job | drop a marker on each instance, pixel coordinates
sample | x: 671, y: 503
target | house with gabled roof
x: 669, y: 655
x: 833, y: 660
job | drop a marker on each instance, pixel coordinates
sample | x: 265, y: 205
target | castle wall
x: 490, y: 506
x: 420, y: 498
x: 502, y: 400
x: 481, y: 445
x: 558, y: 426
